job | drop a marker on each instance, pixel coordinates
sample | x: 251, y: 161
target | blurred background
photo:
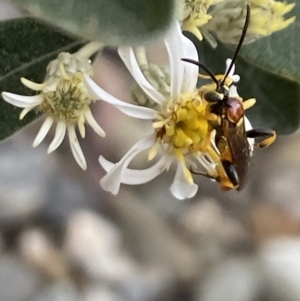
x: 62, y: 238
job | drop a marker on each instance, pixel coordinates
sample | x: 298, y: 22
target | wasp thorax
x: 235, y: 110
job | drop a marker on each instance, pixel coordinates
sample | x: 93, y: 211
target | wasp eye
x: 212, y: 96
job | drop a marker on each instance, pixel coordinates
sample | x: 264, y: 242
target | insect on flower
x: 179, y: 132
x: 231, y: 137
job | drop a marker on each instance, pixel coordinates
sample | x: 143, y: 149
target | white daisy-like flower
x: 64, y: 99
x: 267, y: 16
x: 180, y: 122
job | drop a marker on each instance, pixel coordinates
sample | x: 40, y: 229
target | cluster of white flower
x: 184, y: 125
x: 225, y: 18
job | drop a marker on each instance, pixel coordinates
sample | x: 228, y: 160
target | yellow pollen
x: 152, y: 152
x: 183, y: 126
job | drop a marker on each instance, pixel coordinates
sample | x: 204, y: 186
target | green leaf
x: 270, y: 72
x: 278, y: 52
x: 26, y: 48
x: 112, y: 22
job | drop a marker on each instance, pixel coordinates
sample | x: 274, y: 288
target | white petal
x: 22, y: 101
x: 248, y: 127
x: 180, y: 188
x: 136, y: 176
x: 228, y: 62
x: 235, y: 77
x: 32, y: 85
x: 43, y: 131
x: 93, y: 123
x: 58, y: 137
x: 190, y: 70
x: 25, y: 112
x: 233, y: 91
x: 88, y: 50
x: 81, y: 125
x: 128, y: 57
x: 126, y: 108
x: 175, y: 50
x: 75, y: 147
x: 112, y: 181
x: 106, y: 165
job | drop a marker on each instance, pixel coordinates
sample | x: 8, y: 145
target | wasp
x: 231, y: 135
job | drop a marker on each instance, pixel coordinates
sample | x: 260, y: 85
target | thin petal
x: 248, y: 127
x: 228, y: 62
x: 25, y: 112
x: 58, y: 137
x: 190, y: 70
x: 32, y: 85
x: 235, y: 77
x: 89, y: 49
x: 75, y: 147
x: 180, y: 188
x: 93, y: 123
x: 136, y: 176
x: 126, y: 108
x: 22, y: 101
x: 43, y: 131
x: 128, y: 57
x: 175, y: 50
x: 112, y: 181
x: 233, y: 91
x: 81, y: 126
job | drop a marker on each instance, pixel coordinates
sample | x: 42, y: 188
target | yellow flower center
x: 183, y: 127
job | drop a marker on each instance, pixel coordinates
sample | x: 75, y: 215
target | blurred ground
x: 64, y: 239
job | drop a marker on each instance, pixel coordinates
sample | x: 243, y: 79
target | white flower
x: 193, y: 14
x: 64, y: 99
x: 180, y: 122
x: 267, y: 16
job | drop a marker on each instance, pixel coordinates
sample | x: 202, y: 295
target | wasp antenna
x: 204, y: 68
x: 245, y: 28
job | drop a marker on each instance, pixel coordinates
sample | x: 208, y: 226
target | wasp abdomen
x: 231, y: 172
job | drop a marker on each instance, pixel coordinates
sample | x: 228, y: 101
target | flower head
x: 63, y: 98
x: 267, y: 16
x: 193, y: 14
x: 180, y: 120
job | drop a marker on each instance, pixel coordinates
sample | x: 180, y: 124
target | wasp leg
x: 267, y: 136
x: 204, y: 174
x: 226, y: 183
x: 231, y: 172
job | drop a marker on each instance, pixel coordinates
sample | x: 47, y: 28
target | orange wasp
x: 231, y: 137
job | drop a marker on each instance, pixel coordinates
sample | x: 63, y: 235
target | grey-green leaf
x: 112, y: 22
x: 279, y: 52
x: 26, y: 47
